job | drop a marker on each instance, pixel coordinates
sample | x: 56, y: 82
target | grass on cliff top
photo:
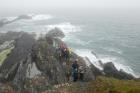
x: 104, y: 85
x: 4, y: 53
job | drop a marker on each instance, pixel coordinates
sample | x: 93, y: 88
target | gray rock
x: 111, y: 71
x: 56, y: 32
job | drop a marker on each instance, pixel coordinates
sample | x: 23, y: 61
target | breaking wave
x: 105, y: 59
x: 10, y: 18
x: 87, y: 53
x: 66, y: 27
x: 34, y: 17
x: 69, y: 30
x: 116, y: 50
x: 40, y: 17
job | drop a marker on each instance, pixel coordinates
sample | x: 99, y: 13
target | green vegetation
x: 104, y: 85
x: 4, y: 53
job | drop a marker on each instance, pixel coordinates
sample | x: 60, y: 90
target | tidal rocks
x: 111, y: 71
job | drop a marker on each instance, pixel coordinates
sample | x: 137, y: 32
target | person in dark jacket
x: 75, y: 68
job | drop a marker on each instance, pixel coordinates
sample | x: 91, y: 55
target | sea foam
x: 66, y: 27
x: 41, y: 17
x: 95, y: 60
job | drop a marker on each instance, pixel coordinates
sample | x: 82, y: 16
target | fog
x: 69, y: 3
x: 13, y: 6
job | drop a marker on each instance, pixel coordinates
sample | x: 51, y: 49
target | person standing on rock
x: 75, y: 68
x: 81, y: 72
x: 59, y: 54
x: 67, y: 55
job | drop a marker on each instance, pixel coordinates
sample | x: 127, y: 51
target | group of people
x: 63, y: 52
x: 75, y: 70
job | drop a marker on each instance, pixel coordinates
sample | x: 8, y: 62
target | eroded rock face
x: 22, y: 48
x: 111, y: 71
x: 17, y: 57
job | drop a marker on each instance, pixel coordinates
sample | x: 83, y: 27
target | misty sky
x: 16, y: 7
x: 8, y: 4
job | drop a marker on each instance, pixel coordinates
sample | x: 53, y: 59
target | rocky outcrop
x: 23, y: 46
x: 48, y: 62
x: 56, y: 32
x: 4, y: 21
x: 34, y: 66
x: 9, y: 36
x: 10, y: 75
x: 111, y: 71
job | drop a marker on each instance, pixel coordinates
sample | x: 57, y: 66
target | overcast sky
x: 7, y: 4
x: 9, y: 7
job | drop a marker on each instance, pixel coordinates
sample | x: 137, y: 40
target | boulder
x: 111, y: 71
x: 56, y: 32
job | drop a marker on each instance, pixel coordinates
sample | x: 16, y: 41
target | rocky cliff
x: 33, y: 66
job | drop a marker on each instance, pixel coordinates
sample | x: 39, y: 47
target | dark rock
x: 49, y: 64
x: 56, y: 32
x: 10, y: 35
x: 111, y: 71
x: 96, y: 71
x: 125, y: 75
x: 23, y: 46
x: 4, y: 21
x: 109, y: 68
x: 6, y: 77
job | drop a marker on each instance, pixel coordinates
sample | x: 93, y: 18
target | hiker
x: 66, y: 54
x: 59, y: 54
x: 63, y: 49
x: 81, y: 72
x: 75, y: 68
x: 63, y: 46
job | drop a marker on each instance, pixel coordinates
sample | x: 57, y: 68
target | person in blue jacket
x: 75, y: 68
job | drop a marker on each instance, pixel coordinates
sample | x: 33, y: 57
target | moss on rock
x: 4, y: 53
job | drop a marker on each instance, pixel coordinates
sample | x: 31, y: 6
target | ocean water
x: 107, y: 36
